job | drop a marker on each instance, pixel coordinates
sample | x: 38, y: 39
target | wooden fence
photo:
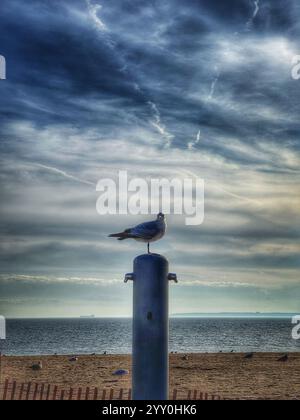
x: 11, y: 390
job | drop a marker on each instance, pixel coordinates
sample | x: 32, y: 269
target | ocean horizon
x: 203, y: 334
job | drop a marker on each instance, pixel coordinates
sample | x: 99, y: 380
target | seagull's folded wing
x: 146, y: 230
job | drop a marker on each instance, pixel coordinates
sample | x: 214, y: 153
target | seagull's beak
x: 160, y: 216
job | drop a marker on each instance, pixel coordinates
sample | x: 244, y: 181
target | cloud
x: 159, y: 126
x: 40, y: 280
x: 63, y: 173
x: 94, y: 10
x: 161, y: 89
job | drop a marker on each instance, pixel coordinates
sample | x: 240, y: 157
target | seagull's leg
x: 148, y: 248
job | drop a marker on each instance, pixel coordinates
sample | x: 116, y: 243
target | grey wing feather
x: 146, y: 230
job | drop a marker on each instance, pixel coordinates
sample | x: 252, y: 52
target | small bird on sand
x: 121, y: 372
x: 145, y: 232
x: 37, y: 366
x: 249, y: 356
x: 284, y: 358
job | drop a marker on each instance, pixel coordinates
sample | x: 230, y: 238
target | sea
x: 113, y: 335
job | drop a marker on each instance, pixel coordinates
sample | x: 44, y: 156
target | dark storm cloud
x: 152, y: 51
x: 55, y: 60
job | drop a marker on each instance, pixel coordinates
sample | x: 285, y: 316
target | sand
x: 228, y: 375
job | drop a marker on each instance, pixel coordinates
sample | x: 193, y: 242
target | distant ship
x: 87, y: 316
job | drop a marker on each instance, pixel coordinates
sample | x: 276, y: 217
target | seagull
x: 249, y: 356
x: 145, y: 232
x: 284, y: 358
x: 37, y: 366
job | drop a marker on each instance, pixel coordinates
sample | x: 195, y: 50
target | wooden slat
x: 5, y: 391
x: 104, y: 394
x: 195, y: 394
x: 121, y: 394
x: 62, y: 395
x: 35, y: 391
x: 111, y: 394
x: 95, y: 394
x: 71, y: 394
x: 48, y: 392
x: 42, y: 391
x: 79, y: 394
x: 189, y: 395
x: 21, y: 392
x: 129, y: 394
x: 87, y: 393
x: 174, y: 395
x: 28, y: 391
x: 54, y: 393
x: 13, y: 391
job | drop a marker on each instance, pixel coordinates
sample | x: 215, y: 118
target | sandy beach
x: 228, y: 375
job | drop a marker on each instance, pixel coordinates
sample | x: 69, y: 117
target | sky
x: 157, y: 88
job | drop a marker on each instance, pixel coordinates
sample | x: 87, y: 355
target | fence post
x: 42, y: 391
x: 28, y: 391
x: 150, y: 364
x: 35, y: 392
x: 21, y: 391
x: 48, y: 392
x: 5, y: 389
x: 13, y: 391
x: 54, y: 393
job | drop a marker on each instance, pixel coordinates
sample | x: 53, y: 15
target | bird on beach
x: 249, y: 356
x: 37, y: 366
x: 145, y: 232
x: 284, y: 358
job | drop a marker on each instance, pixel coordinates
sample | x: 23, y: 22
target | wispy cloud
x: 192, y: 144
x: 161, y: 128
x: 255, y: 12
x: 63, y: 174
x: 94, y: 11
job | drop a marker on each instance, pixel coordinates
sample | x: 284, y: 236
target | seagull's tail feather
x: 122, y: 236
x: 117, y: 235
